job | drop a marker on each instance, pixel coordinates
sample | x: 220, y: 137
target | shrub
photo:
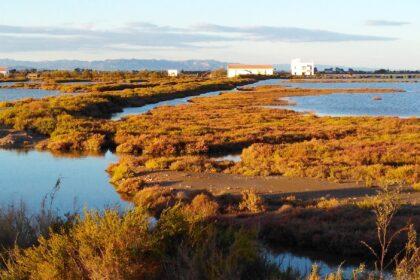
x: 98, y: 247
x: 120, y: 171
x: 158, y: 163
x: 130, y: 186
x: 328, y: 203
x: 202, y: 207
x: 114, y: 246
x: 252, y: 202
x: 155, y: 199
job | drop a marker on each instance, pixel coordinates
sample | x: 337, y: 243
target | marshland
x: 205, y: 176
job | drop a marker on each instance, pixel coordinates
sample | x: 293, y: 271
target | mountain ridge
x: 136, y: 64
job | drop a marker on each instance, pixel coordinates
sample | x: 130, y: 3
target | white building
x: 172, y: 72
x: 4, y: 71
x: 299, y: 68
x: 234, y: 70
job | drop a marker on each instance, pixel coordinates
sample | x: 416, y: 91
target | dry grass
x: 373, y: 150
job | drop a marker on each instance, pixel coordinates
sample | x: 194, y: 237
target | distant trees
x: 381, y: 71
x: 218, y: 73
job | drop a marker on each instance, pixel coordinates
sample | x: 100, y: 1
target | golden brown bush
x: 202, y: 207
x: 155, y: 199
x: 251, y: 202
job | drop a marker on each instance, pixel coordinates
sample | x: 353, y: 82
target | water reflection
x: 302, y: 263
x: 230, y: 157
x: 401, y: 104
x: 11, y: 94
x: 30, y: 175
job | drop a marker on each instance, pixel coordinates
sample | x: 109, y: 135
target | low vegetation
x: 373, y: 150
x: 76, y: 122
x: 113, y: 246
x: 193, y: 235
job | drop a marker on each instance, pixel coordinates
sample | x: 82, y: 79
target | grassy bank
x: 76, y: 122
x: 194, y: 237
x: 373, y: 150
x: 184, y: 243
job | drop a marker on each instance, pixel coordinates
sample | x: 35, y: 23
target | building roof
x: 249, y: 66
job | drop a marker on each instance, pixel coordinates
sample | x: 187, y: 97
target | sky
x: 357, y: 33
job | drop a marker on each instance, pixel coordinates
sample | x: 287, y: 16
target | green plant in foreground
x: 114, y: 246
x: 385, y: 208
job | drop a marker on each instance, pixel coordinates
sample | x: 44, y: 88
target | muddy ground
x: 271, y: 186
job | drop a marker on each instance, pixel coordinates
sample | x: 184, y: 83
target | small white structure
x: 4, y: 71
x: 234, y: 70
x: 299, y: 68
x: 172, y: 73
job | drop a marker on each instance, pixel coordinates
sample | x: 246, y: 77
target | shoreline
x: 350, y: 80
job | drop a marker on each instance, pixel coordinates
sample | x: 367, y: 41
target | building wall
x: 4, y: 72
x: 299, y: 68
x: 238, y: 71
x: 172, y: 73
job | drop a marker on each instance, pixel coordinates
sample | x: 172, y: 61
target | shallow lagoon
x: 400, y: 104
x: 84, y: 177
x: 178, y: 101
x: 28, y: 176
x: 11, y: 94
x: 302, y: 262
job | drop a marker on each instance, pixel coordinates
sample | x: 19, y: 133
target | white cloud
x: 143, y: 35
x: 386, y: 23
x: 289, y: 34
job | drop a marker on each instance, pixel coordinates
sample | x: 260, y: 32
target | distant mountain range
x: 135, y: 64
x: 116, y: 64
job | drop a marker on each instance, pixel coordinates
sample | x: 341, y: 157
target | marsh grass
x: 111, y: 245
x: 21, y: 227
x: 187, y: 242
x: 369, y: 150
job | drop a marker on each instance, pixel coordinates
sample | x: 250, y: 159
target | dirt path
x: 270, y: 186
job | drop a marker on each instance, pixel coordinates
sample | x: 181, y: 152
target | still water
x: 10, y: 94
x: 144, y: 109
x: 401, y: 104
x: 230, y: 157
x: 29, y: 176
x: 302, y: 263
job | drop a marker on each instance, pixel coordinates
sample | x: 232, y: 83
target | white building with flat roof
x: 4, y: 71
x: 234, y: 70
x: 172, y: 73
x: 299, y: 68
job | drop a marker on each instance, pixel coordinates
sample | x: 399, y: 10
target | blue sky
x: 355, y: 33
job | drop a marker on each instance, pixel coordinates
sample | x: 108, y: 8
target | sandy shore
x: 271, y: 186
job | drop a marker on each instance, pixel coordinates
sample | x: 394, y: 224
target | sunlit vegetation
x: 75, y: 122
x: 183, y: 243
x: 373, y: 150
x: 200, y: 235
x: 182, y: 234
